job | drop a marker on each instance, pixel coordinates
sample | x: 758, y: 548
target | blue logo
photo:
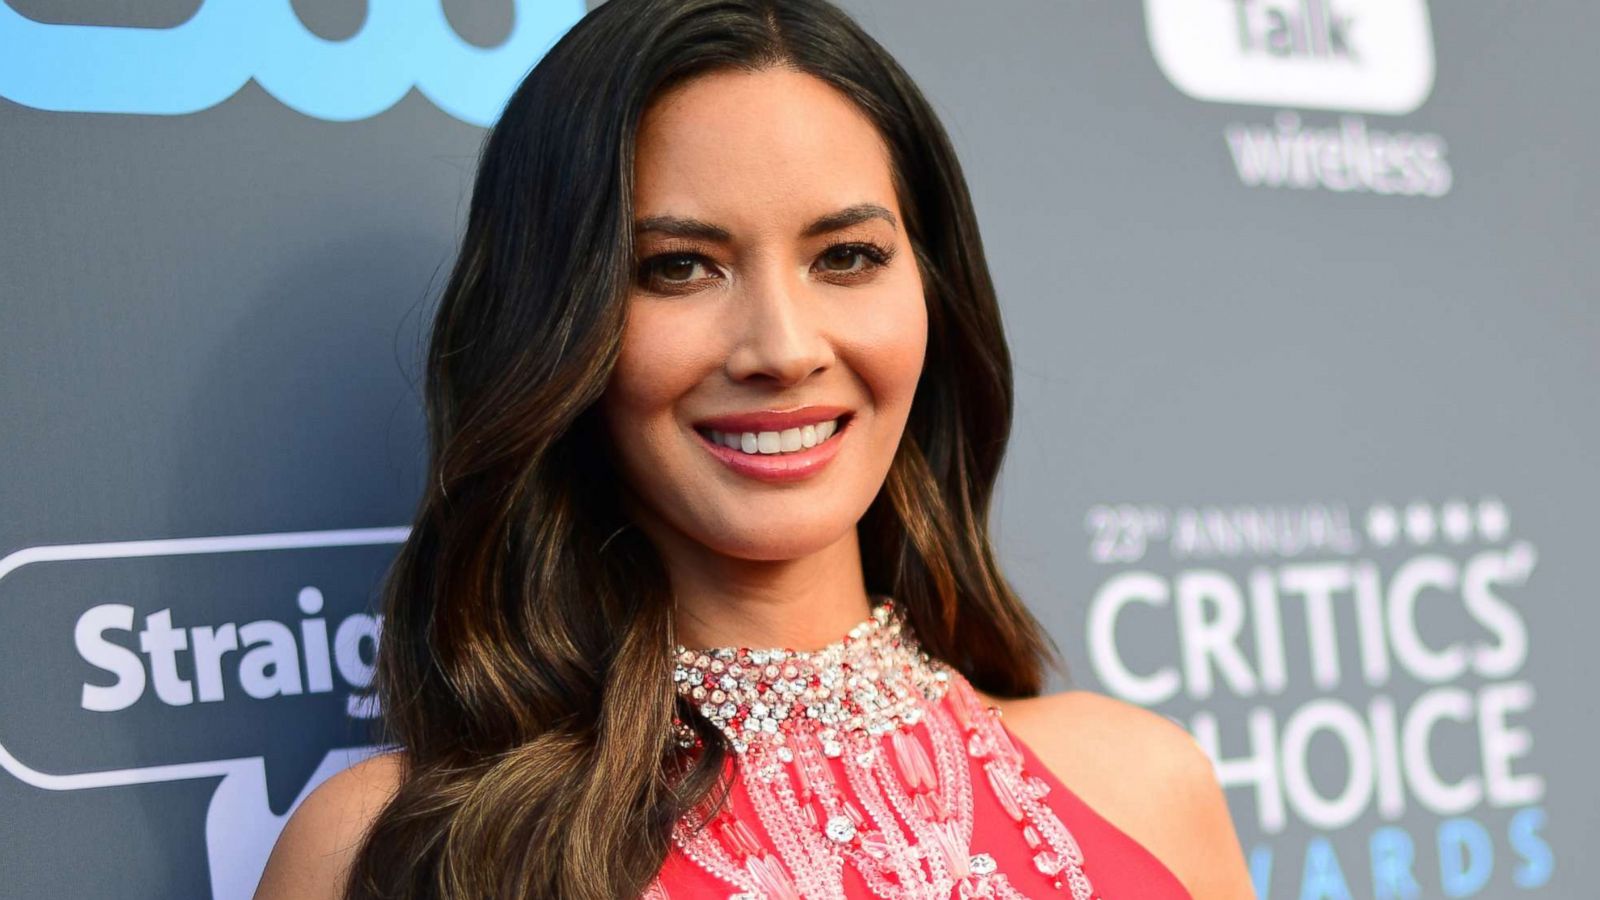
x: 207, y: 59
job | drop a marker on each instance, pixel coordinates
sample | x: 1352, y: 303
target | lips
x: 785, y: 466
x: 772, y: 420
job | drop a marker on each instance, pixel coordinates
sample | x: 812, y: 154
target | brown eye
x: 670, y: 270
x: 846, y: 255
x: 677, y: 268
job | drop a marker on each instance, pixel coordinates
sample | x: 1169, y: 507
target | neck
x: 725, y: 601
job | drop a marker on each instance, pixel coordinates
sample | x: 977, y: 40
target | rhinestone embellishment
x: 875, y: 680
x: 864, y: 754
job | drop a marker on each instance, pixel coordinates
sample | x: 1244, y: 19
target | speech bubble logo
x: 194, y: 658
x: 208, y: 58
x: 1356, y: 55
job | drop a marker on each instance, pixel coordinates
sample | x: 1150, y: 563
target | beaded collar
x: 874, y: 680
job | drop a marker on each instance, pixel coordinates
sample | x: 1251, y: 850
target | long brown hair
x: 525, y: 658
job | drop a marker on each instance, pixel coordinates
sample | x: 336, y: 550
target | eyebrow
x: 684, y: 226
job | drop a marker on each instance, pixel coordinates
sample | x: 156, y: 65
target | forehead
x: 734, y: 144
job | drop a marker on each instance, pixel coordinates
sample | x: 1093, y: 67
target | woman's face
x: 775, y: 292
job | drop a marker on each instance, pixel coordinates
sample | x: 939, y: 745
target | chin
x: 768, y: 541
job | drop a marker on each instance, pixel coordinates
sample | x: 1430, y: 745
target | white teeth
x: 789, y: 440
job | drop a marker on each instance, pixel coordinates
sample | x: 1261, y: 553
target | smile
x: 778, y: 455
x: 789, y: 440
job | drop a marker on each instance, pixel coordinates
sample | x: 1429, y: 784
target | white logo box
x: 1372, y: 56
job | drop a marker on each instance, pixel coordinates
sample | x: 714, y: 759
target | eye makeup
x: 875, y: 256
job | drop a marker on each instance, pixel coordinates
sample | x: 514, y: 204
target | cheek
x: 658, y: 362
x: 655, y: 367
x: 888, y: 348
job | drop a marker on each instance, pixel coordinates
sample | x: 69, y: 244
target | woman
x: 700, y: 599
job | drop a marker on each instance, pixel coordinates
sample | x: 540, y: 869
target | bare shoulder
x: 314, y: 851
x: 1145, y: 774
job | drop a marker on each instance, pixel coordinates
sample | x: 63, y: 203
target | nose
x: 780, y: 337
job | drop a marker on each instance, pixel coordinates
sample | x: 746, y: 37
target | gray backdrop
x: 1301, y: 300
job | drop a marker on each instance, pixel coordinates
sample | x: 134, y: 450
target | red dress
x: 867, y: 769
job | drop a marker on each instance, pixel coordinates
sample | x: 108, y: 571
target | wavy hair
x: 525, y: 659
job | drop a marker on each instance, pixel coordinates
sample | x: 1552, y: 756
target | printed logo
x: 234, y: 658
x: 1349, y: 674
x: 1358, y: 55
x: 196, y: 65
x: 1342, y: 157
x: 1353, y: 56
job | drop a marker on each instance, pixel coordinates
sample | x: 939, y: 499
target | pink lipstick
x: 752, y: 443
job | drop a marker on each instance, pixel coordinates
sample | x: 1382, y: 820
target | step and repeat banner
x: 1302, y: 299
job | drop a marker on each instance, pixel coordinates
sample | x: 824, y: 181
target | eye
x: 675, y: 272
x: 870, y: 256
x: 670, y: 270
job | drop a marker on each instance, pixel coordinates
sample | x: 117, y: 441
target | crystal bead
x: 1001, y: 785
x: 806, y: 729
x: 875, y: 682
x: 768, y: 873
x: 1048, y: 863
x: 740, y: 838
